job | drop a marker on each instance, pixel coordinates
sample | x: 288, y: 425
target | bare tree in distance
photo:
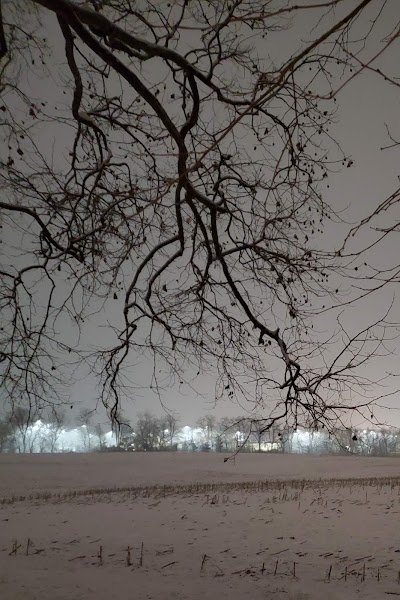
x: 21, y: 420
x: 170, y: 425
x: 86, y: 429
x: 55, y: 422
x: 147, y: 432
x: 7, y: 437
x: 225, y: 433
x: 181, y: 203
x: 207, y: 423
x: 98, y: 432
x: 258, y: 432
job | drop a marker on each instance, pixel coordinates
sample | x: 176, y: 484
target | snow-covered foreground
x: 298, y: 538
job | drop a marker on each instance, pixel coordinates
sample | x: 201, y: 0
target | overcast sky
x: 365, y: 106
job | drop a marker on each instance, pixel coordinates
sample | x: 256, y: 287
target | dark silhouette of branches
x: 181, y: 201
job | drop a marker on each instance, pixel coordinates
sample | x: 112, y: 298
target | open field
x: 21, y: 474
x: 191, y: 527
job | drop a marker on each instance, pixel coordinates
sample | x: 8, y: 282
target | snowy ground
x: 294, y: 537
x: 21, y: 474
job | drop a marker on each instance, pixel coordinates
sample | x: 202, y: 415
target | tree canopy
x: 163, y: 175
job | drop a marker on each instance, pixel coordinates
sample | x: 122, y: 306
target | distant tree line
x: 23, y: 433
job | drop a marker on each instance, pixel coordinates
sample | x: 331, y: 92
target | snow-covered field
x: 265, y: 527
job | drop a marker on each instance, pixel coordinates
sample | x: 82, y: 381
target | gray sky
x: 365, y: 106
